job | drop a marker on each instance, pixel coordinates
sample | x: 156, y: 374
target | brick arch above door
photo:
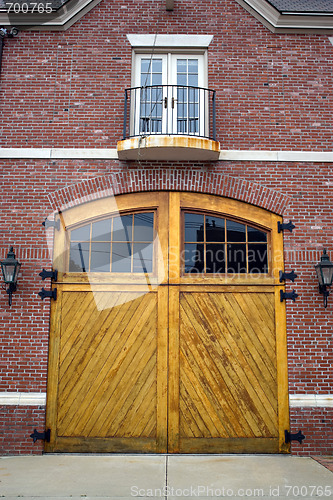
x: 169, y: 179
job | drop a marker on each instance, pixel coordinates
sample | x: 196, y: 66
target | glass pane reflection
x: 194, y: 227
x: 121, y: 258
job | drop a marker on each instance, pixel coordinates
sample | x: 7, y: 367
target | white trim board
x: 170, y: 41
x: 111, y: 154
x: 39, y: 399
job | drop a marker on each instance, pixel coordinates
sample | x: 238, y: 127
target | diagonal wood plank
x: 123, y: 370
x: 261, y: 406
x: 103, y: 368
x: 215, y: 381
x: 258, y: 383
x: 92, y: 348
x: 257, y: 408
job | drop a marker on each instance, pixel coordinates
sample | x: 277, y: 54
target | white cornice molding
x: 59, y: 20
x: 189, y: 41
x: 111, y: 154
x: 39, y: 399
x: 287, y: 23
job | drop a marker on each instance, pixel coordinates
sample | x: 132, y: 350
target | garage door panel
x: 223, y: 388
x: 240, y: 315
x: 247, y: 376
x: 211, y: 381
x: 91, y: 342
x: 239, y: 342
x: 111, y: 389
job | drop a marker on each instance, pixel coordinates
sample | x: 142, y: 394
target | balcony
x: 169, y: 122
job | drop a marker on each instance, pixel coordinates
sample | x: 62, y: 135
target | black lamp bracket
x: 288, y: 295
x: 51, y: 223
x: 287, y: 276
x: 289, y: 226
x: 323, y: 289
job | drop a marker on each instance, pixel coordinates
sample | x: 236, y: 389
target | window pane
x: 145, y: 65
x: 101, y: 231
x: 81, y: 233
x: 156, y: 79
x: 122, y: 228
x: 215, y: 258
x: 193, y: 66
x: 193, y: 81
x: 193, y: 258
x: 181, y: 65
x: 181, y: 79
x: 181, y: 95
x: 236, y: 256
x: 258, y: 258
x: 121, y: 258
x: 143, y: 258
x: 157, y: 65
x: 156, y: 94
x: 215, y: 229
x: 194, y: 227
x: 235, y: 231
x: 144, y: 227
x: 79, y: 257
x: 254, y: 234
x: 100, y: 257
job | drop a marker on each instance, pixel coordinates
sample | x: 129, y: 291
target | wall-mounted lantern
x: 10, y: 268
x: 324, y: 270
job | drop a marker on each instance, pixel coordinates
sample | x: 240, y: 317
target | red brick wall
x: 316, y: 425
x: 16, y: 425
x: 65, y: 89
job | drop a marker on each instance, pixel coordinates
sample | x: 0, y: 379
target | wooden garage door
x: 152, y: 351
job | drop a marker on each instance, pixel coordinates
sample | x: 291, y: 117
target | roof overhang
x: 289, y: 22
x: 60, y: 19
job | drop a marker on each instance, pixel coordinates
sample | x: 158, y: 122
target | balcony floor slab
x: 168, y: 148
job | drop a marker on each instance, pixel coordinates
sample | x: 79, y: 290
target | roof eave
x: 287, y: 23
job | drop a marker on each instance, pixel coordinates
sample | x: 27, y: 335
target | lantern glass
x: 10, y: 268
x: 324, y: 270
x: 327, y: 273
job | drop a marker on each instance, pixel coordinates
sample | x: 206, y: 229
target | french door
x: 169, y: 95
x: 168, y: 334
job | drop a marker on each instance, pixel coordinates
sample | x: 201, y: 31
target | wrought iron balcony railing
x: 169, y: 110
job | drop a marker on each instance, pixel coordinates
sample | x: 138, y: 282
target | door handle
x: 165, y: 102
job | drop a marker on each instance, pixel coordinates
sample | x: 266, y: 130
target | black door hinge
x: 294, y: 437
x: 49, y: 274
x: 48, y: 293
x: 289, y: 226
x: 287, y: 276
x: 45, y: 436
x: 288, y: 295
x: 51, y: 223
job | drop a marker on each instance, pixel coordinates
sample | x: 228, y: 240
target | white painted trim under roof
x: 170, y: 41
x: 111, y: 154
x: 39, y: 399
x: 278, y: 22
x: 62, y: 19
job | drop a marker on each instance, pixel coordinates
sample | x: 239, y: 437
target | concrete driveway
x: 163, y: 477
